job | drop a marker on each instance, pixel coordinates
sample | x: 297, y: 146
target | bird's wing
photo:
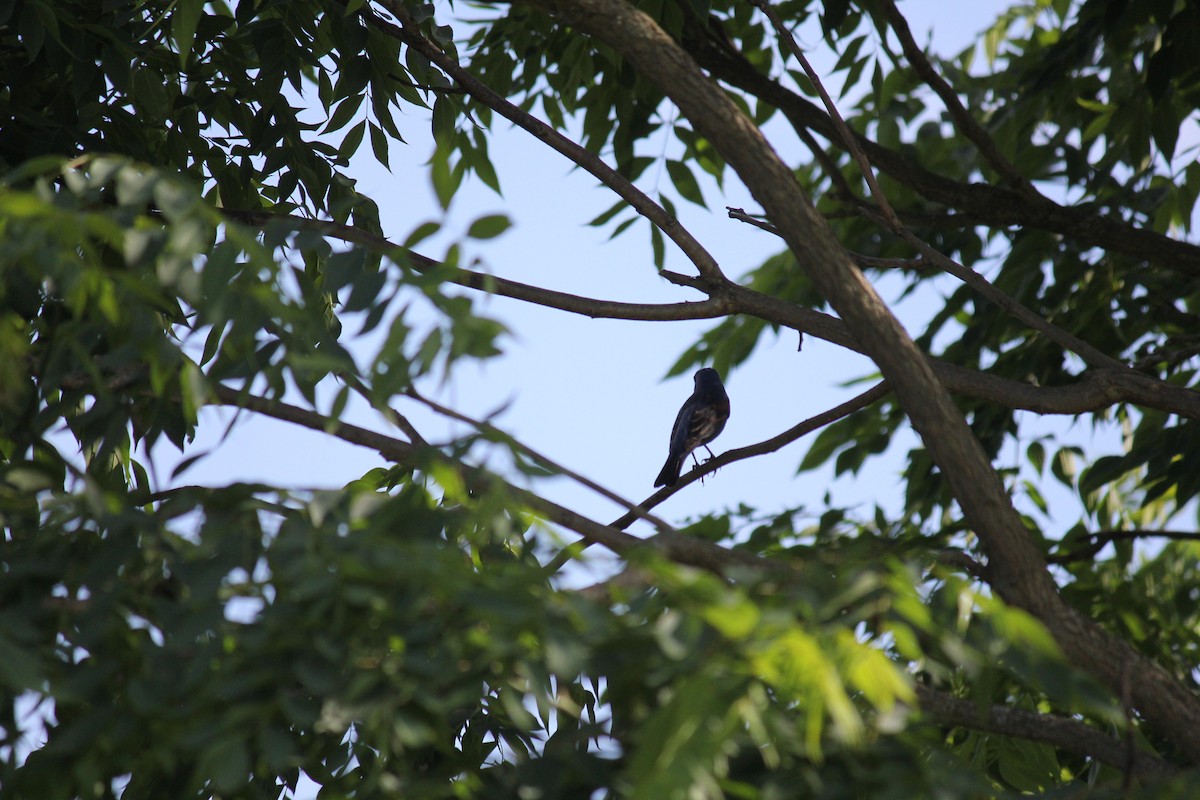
x: 681, y: 431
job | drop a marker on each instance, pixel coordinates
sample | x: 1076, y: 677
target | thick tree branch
x: 1064, y: 733
x: 1016, y: 566
x: 410, y: 33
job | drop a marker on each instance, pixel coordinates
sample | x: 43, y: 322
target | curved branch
x: 1064, y: 733
x: 1095, y: 390
x: 589, y: 307
x: 410, y: 33
x: 963, y: 120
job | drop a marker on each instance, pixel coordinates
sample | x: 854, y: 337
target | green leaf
x: 379, y: 144
x: 1036, y: 453
x: 351, y: 142
x: 421, y: 233
x: 346, y: 111
x: 658, y: 246
x: 685, y: 182
x: 227, y: 762
x: 446, y: 179
x: 183, y: 27
x: 489, y: 227
x: 603, y: 218
x: 445, y: 116
x: 1104, y: 470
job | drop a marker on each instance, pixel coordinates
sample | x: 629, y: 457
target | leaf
x: 446, y: 179
x: 685, y: 182
x: 1064, y: 466
x: 1036, y: 453
x: 342, y: 115
x: 615, y: 209
x: 1104, y: 470
x: 183, y: 27
x: 444, y: 118
x: 379, y: 144
x: 227, y: 762
x: 658, y: 246
x: 489, y: 227
x: 421, y: 233
x: 351, y: 142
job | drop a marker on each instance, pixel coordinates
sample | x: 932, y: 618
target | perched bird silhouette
x: 702, y: 417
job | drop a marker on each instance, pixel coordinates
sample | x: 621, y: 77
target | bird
x: 702, y: 417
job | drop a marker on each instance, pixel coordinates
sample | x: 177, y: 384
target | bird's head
x: 707, y: 377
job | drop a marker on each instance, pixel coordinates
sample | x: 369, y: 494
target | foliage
x: 180, y: 227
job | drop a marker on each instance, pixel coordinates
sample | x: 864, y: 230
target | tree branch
x: 1064, y: 733
x: 586, y: 306
x: 493, y: 431
x: 963, y: 120
x: 1096, y: 389
x: 839, y: 124
x: 1102, y: 538
x: 410, y: 33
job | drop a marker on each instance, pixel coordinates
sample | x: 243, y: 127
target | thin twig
x: 1102, y: 538
x: 957, y: 559
x: 840, y: 125
x: 860, y: 259
x: 390, y: 414
x: 741, y: 216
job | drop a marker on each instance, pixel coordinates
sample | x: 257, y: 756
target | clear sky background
x: 591, y: 394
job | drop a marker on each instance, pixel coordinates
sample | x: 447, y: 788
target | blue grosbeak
x: 702, y: 417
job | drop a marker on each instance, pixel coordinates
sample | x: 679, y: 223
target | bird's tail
x: 670, y: 472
